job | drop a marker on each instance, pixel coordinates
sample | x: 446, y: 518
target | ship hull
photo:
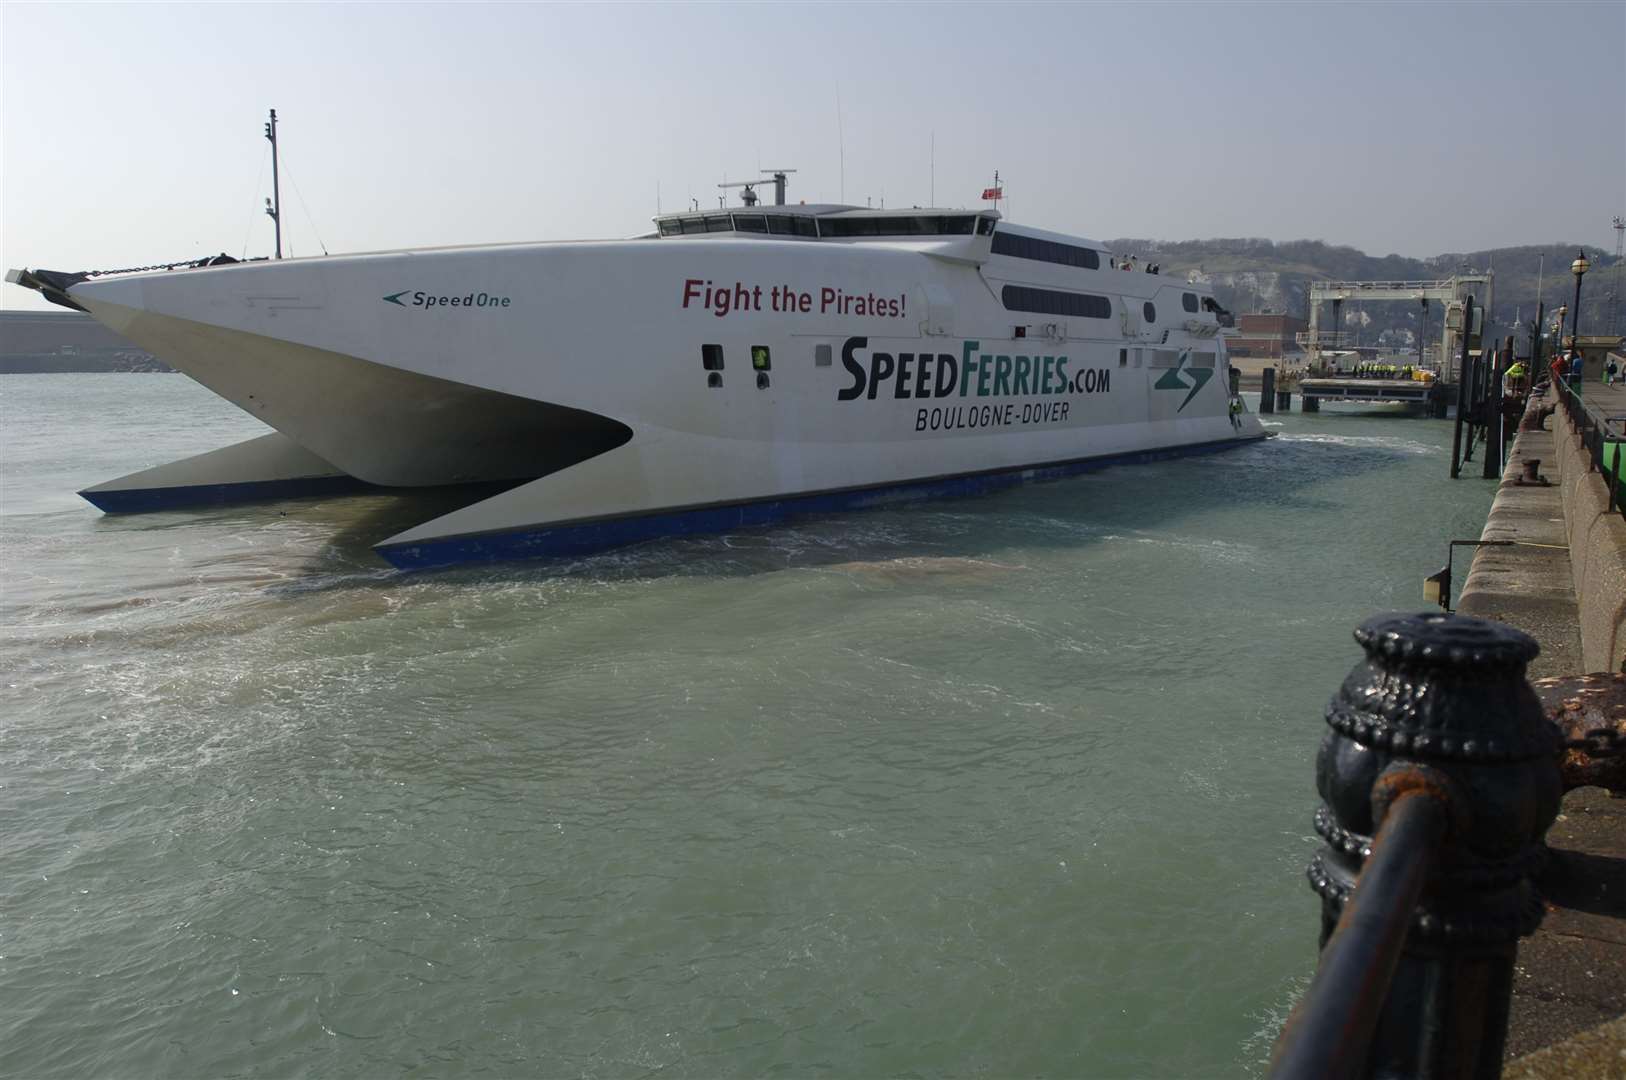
x: 634, y: 389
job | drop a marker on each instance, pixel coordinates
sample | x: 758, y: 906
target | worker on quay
x: 1517, y: 379
x: 1236, y: 412
x: 1610, y: 370
x: 1577, y: 371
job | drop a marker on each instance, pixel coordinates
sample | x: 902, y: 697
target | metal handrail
x: 1597, y: 431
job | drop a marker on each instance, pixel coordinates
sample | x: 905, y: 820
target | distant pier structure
x: 1451, y: 293
x: 1461, y: 322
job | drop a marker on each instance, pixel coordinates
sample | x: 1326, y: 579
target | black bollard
x: 1438, y: 780
x: 1267, y: 391
x: 1284, y: 400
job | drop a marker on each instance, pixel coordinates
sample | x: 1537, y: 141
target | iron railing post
x: 1438, y: 779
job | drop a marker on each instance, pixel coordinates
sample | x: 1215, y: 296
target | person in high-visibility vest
x: 1515, y: 381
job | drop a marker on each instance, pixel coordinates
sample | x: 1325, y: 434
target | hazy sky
x: 132, y: 133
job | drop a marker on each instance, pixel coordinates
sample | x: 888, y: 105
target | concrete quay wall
x: 1565, y: 581
x: 1597, y: 541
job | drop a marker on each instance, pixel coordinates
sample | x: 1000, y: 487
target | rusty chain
x: 1599, y: 743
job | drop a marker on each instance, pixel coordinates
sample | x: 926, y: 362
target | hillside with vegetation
x: 1250, y: 275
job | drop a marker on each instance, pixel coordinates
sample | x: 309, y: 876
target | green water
x: 1015, y: 785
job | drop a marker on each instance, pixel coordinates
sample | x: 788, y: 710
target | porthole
x: 715, y: 380
x: 1149, y: 309
x: 762, y: 380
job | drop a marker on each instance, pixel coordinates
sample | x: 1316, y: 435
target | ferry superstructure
x: 728, y: 368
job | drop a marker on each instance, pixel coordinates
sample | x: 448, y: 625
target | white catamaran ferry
x: 727, y: 369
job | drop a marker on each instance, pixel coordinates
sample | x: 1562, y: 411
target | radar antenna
x: 749, y: 196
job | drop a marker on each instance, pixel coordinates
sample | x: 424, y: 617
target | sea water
x: 1011, y: 785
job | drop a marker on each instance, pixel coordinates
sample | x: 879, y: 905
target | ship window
x: 1123, y: 357
x: 985, y: 226
x: 1029, y: 247
x: 750, y: 223
x: 848, y: 227
x: 1051, y: 302
x: 781, y: 224
x: 821, y: 356
x: 715, y: 380
x: 671, y: 227
x: 693, y: 225
x: 718, y: 223
x: 902, y: 225
x: 1189, y: 301
x: 806, y: 226
x: 762, y: 380
x: 1149, y: 310
x: 760, y: 359
x: 711, y: 357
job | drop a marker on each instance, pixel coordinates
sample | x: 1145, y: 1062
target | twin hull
x: 635, y: 388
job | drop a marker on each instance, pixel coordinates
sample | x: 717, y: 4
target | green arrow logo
x: 1171, y: 379
x: 395, y: 298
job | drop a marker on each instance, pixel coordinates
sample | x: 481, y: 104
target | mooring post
x: 1493, y: 413
x: 1267, y: 391
x: 1439, y: 778
x: 1462, y: 392
x: 1472, y: 422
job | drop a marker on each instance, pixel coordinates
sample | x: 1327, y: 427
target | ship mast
x: 273, y: 205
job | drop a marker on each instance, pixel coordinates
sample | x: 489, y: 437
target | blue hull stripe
x: 563, y: 541
x: 146, y: 500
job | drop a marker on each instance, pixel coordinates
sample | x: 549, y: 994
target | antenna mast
x: 273, y: 205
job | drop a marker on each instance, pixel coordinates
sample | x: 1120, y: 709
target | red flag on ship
x: 993, y: 193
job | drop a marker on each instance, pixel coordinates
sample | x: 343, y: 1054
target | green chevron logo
x: 395, y: 298
x: 1172, y: 380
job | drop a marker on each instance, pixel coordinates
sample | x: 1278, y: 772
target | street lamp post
x: 1579, y: 268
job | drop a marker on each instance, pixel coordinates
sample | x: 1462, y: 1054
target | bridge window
x: 750, y: 223
x: 671, y: 227
x: 1189, y: 301
x: 985, y: 226
x: 1051, y: 302
x: 718, y: 223
x: 901, y: 225
x: 1029, y: 247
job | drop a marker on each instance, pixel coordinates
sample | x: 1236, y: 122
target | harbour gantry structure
x: 1451, y: 292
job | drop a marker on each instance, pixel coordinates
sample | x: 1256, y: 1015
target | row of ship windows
x: 1029, y: 247
x: 803, y: 225
x: 1080, y: 305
